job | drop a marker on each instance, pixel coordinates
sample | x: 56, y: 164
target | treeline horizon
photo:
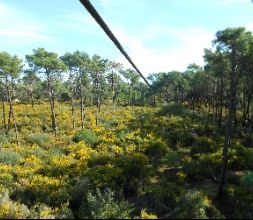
x: 221, y: 91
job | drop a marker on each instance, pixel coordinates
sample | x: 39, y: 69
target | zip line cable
x: 90, y: 8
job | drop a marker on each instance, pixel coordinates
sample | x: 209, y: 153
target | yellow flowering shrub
x: 145, y: 215
x: 10, y: 209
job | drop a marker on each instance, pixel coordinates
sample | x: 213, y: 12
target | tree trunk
x: 221, y: 100
x: 52, y: 104
x: 11, y: 112
x: 73, y: 113
x: 193, y: 107
x: 98, y: 98
x: 4, y: 114
x: 216, y: 100
x: 244, y: 115
x: 213, y: 109
x: 32, y: 99
x: 248, y: 107
x: 113, y: 93
x: 82, y: 102
x: 129, y: 95
x: 229, y: 127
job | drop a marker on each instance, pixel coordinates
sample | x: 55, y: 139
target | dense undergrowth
x: 139, y: 162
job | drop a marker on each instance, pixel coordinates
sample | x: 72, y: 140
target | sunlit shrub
x: 48, y: 190
x: 162, y: 198
x: 106, y: 175
x: 195, y: 205
x: 145, y: 215
x: 156, y: 149
x: 41, y: 139
x: 86, y: 135
x: 3, y: 139
x: 241, y: 158
x: 10, y: 209
x: 103, y: 205
x: 9, y: 157
x: 7, y: 138
x: 42, y: 211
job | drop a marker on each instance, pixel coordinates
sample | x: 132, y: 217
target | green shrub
x: 156, y: 149
x: 203, y: 145
x: 9, y: 157
x: 41, y: 139
x: 241, y: 158
x: 134, y: 166
x: 161, y: 198
x: 247, y: 181
x: 3, y: 139
x: 55, y: 151
x: 102, y: 205
x: 7, y: 138
x: 134, y: 172
x: 39, y: 152
x: 103, y: 176
x: 86, y: 135
x: 42, y: 211
x: 197, y: 170
x: 187, y: 139
x: 174, y: 109
x: 10, y: 209
x: 195, y: 205
x: 65, y: 96
x: 176, y: 158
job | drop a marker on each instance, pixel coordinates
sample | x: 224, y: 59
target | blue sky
x: 159, y: 35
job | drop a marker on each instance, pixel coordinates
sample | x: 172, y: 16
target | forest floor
x: 158, y: 160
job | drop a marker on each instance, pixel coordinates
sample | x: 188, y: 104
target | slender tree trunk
x: 209, y: 109
x: 129, y: 96
x: 221, y: 100
x: 11, y: 113
x: 251, y: 134
x: 193, y: 99
x: 4, y: 114
x: 177, y: 95
x: 229, y: 127
x: 154, y: 100
x: 216, y: 100
x: 82, y: 103
x: 73, y: 113
x: 133, y: 94
x: 244, y: 115
x: 98, y: 98
x: 213, y: 109
x: 235, y: 122
x: 193, y: 107
x: 32, y: 99
x: 113, y: 93
x: 248, y: 107
x: 52, y: 104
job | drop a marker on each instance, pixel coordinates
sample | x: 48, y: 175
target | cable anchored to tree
x: 90, y: 8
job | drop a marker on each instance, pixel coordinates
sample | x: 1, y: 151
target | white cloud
x: 249, y: 27
x: 78, y: 22
x: 3, y: 10
x: 20, y: 33
x: 17, y: 27
x: 190, y: 49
